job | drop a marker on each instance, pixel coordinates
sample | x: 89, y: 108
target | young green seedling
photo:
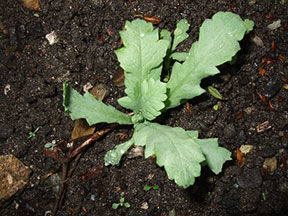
x: 121, y: 203
x: 147, y: 187
x: 33, y: 133
x: 51, y: 145
x: 178, y: 150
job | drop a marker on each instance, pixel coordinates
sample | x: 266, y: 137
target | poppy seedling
x: 33, y: 133
x: 147, y: 187
x: 145, y: 53
x: 121, y: 203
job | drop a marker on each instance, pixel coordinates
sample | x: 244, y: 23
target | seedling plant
x: 144, y: 56
x: 121, y: 203
x: 33, y: 133
x: 51, y: 145
x: 147, y: 187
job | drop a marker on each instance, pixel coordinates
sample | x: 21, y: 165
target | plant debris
x: 31, y: 4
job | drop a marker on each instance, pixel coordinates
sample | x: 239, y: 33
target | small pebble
x: 7, y: 88
x: 271, y: 88
x: 246, y: 148
x: 270, y: 165
x: 274, y: 25
x: 266, y: 152
x: 87, y: 87
x: 137, y: 151
x: 144, y: 205
x: 258, y: 41
x: 52, y: 38
x: 229, y: 131
x: 251, y: 2
x: 250, y: 178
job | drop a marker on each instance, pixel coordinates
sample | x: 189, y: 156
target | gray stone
x: 229, y: 131
x: 250, y: 178
x: 266, y: 152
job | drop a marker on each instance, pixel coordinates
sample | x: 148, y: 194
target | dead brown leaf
x: 118, y: 78
x: 31, y: 4
x: 81, y: 128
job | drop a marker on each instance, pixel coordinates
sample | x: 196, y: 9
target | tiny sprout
x: 121, y: 203
x: 215, y: 93
x: 147, y: 187
x: 33, y: 133
x: 51, y: 145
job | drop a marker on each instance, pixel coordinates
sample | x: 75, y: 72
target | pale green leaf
x: 114, y: 156
x: 249, y: 25
x: 215, y: 93
x: 153, y: 94
x: 215, y: 155
x: 115, y: 205
x: 87, y: 107
x: 141, y: 58
x: 179, y: 56
x: 217, y: 44
x: 180, y: 154
x: 166, y: 35
x: 127, y: 205
x: 180, y: 33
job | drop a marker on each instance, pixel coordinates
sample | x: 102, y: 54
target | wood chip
x: 31, y: 4
x: 263, y: 126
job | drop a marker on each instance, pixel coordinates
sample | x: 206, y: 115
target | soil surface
x: 31, y: 77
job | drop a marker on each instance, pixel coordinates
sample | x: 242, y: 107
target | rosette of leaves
x: 143, y: 56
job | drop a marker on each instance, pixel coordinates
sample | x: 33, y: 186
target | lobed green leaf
x: 180, y: 154
x: 180, y: 33
x: 87, y: 107
x: 215, y: 155
x: 217, y: 44
x: 141, y: 58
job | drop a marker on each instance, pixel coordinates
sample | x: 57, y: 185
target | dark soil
x: 36, y: 70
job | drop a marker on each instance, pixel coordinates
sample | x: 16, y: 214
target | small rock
x: 209, y: 119
x: 246, y: 148
x: 266, y: 152
x: 52, y: 38
x: 271, y: 88
x: 14, y: 176
x: 274, y: 25
x: 87, y: 87
x: 7, y: 88
x: 250, y: 178
x: 249, y: 110
x: 242, y: 136
x: 137, y: 151
x: 172, y: 212
x: 258, y: 41
x: 270, y: 165
x: 229, y: 131
x: 144, y: 205
x: 251, y: 2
